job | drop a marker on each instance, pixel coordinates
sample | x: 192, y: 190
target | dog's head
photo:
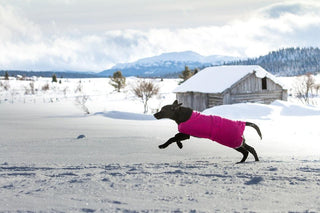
x: 168, y: 111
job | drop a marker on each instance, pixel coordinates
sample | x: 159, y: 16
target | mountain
x: 166, y: 64
x: 287, y: 62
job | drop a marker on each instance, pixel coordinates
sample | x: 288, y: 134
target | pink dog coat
x: 221, y: 130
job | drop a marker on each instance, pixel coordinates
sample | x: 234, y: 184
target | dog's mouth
x: 157, y: 115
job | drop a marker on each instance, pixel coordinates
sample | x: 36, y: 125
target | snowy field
x: 117, y: 166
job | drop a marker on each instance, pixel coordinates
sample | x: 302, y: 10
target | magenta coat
x: 221, y: 130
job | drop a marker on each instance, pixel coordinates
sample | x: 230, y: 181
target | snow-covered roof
x: 218, y: 79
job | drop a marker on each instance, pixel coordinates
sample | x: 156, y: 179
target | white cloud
x: 25, y: 45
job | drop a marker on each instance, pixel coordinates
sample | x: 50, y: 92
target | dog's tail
x: 255, y: 127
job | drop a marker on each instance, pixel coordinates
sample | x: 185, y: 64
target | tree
x: 118, y: 81
x: 145, y: 90
x: 54, y: 78
x: 81, y: 101
x: 303, y: 88
x: 6, y: 76
x: 186, y: 74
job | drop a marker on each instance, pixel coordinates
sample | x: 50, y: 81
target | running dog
x: 191, y: 123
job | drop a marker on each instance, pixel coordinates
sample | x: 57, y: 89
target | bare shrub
x: 65, y: 91
x: 31, y: 85
x: 5, y: 85
x: 79, y: 87
x: 45, y: 87
x: 26, y: 90
x: 305, y: 88
x: 30, y: 89
x: 316, y: 88
x: 81, y: 101
x: 145, y: 90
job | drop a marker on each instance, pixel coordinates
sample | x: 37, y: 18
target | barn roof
x: 218, y: 79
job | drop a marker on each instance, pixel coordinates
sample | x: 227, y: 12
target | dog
x: 191, y: 123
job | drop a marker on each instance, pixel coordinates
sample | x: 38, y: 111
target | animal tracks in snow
x: 192, y: 184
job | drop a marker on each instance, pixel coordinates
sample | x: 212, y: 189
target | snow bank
x: 125, y: 115
x: 262, y: 111
x: 294, y: 109
x: 243, y: 111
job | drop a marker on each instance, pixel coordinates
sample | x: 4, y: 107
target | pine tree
x: 118, y: 81
x: 186, y: 74
x: 54, y: 78
x: 6, y: 76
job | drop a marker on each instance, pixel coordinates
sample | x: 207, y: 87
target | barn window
x: 264, y: 83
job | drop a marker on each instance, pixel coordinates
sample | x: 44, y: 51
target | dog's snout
x: 157, y: 115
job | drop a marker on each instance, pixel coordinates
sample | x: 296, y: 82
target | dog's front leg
x: 180, y: 137
x: 166, y: 144
x: 177, y: 138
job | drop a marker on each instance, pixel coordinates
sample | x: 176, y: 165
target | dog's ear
x: 176, y: 105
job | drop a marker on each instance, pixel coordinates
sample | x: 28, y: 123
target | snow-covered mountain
x: 167, y: 64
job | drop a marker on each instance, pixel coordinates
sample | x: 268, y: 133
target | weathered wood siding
x: 215, y: 99
x: 258, y: 97
x: 253, y: 89
x: 252, y: 84
x: 195, y: 100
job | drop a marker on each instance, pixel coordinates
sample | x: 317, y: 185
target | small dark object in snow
x: 81, y: 136
x: 254, y: 180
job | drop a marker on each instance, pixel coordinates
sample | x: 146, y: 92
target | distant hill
x: 287, y: 62
x: 167, y: 64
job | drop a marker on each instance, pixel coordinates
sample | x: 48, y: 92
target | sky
x: 94, y: 35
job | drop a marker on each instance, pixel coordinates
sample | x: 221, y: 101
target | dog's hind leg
x: 244, y: 152
x: 251, y: 150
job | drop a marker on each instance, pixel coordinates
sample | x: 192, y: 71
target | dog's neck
x: 182, y: 114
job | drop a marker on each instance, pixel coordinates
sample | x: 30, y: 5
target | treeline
x: 287, y: 62
x: 49, y: 74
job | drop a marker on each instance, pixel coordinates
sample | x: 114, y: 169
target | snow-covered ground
x: 117, y: 166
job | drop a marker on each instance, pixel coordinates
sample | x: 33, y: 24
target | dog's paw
x: 163, y: 146
x: 179, y: 144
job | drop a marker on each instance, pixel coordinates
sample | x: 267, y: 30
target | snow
x: 117, y: 166
x: 219, y: 78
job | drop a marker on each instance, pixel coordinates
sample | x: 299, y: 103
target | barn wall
x: 250, y: 90
x: 215, y: 99
x: 195, y: 100
x: 254, y: 84
x: 258, y: 97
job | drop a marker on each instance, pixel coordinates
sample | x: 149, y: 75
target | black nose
x: 157, y: 115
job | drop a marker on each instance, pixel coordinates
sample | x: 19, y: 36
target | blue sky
x: 93, y: 35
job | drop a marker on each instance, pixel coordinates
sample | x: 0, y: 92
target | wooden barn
x: 229, y: 85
